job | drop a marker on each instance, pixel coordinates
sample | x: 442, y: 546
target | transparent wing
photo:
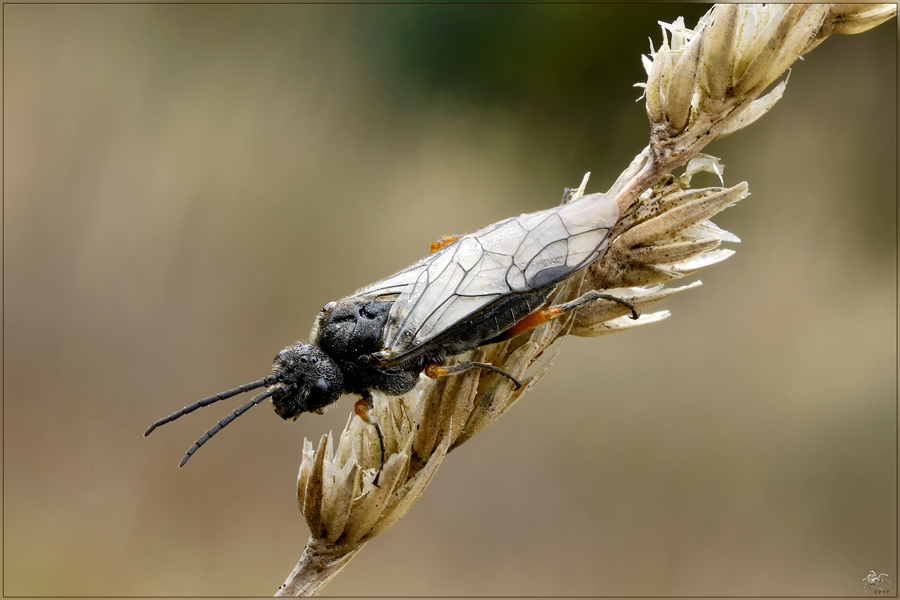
x: 393, y: 286
x: 519, y: 254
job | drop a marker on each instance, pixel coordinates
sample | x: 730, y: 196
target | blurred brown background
x: 186, y: 186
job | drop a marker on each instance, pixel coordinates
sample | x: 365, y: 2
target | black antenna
x: 212, y: 399
x: 218, y: 426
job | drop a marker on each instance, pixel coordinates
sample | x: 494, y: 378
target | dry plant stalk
x: 702, y: 84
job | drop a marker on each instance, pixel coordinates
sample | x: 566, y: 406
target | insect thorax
x: 351, y: 331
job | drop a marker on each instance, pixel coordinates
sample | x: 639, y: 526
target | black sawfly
x: 472, y: 290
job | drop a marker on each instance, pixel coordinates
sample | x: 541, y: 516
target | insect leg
x: 572, y: 194
x: 539, y: 317
x: 593, y: 296
x: 361, y: 409
x: 435, y: 370
x: 447, y: 239
x: 218, y: 426
x: 207, y: 401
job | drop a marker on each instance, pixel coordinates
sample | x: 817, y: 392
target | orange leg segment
x: 447, y: 239
x: 536, y: 318
x: 434, y: 370
x: 361, y: 409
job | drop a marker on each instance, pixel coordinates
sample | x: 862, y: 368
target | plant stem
x: 318, y: 564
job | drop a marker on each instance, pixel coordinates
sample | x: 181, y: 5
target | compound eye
x: 321, y: 386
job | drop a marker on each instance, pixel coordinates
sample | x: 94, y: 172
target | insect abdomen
x: 485, y: 326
